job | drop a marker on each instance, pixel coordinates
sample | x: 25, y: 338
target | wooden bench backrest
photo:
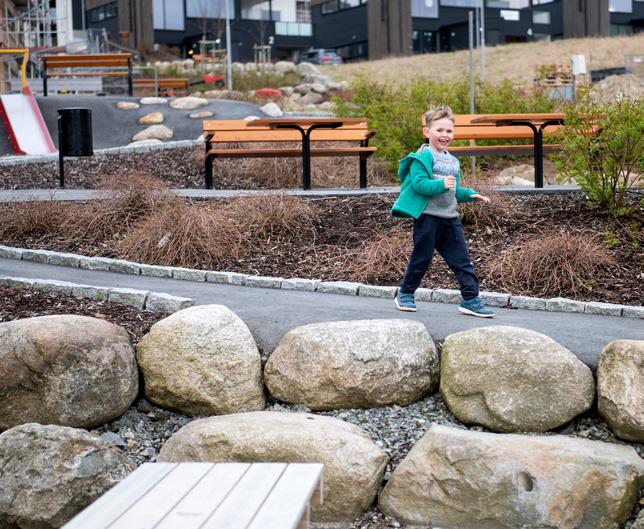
x: 239, y: 131
x: 464, y: 129
x: 100, y: 60
x: 178, y: 82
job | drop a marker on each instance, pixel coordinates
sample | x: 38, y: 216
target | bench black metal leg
x: 209, y: 159
x: 538, y: 159
x: 44, y: 83
x: 363, y: 172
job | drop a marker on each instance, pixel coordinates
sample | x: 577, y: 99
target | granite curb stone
x: 334, y: 287
x: 159, y: 301
x: 263, y: 281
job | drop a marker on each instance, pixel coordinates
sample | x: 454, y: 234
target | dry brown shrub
x: 181, y: 234
x: 34, y: 219
x: 127, y: 198
x: 272, y: 216
x: 380, y: 257
x: 552, y: 264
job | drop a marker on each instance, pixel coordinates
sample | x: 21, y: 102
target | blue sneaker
x: 405, y: 302
x: 475, y: 307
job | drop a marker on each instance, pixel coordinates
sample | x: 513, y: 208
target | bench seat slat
x: 291, y: 153
x: 86, y: 74
x: 158, y: 502
x: 119, y: 499
x: 247, y: 497
x: 205, y: 497
x: 493, y: 132
x: 296, y: 486
x: 500, y: 150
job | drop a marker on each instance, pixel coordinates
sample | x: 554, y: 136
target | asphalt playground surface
x: 113, y: 127
x: 270, y: 313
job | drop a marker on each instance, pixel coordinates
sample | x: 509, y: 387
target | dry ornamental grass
x: 563, y: 263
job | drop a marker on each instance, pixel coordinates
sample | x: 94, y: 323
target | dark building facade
x: 285, y: 25
x: 361, y: 29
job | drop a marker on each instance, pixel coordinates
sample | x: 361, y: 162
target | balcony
x: 294, y: 29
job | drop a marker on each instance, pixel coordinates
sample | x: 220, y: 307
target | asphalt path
x: 270, y: 313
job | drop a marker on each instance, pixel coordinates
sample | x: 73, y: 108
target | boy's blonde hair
x: 436, y: 113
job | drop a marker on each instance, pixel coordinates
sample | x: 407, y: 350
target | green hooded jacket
x: 417, y: 184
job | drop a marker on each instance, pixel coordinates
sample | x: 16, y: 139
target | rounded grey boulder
x: 353, y: 364
x: 48, y: 474
x: 67, y: 370
x: 510, y: 379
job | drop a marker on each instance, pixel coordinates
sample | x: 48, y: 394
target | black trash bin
x: 74, y: 135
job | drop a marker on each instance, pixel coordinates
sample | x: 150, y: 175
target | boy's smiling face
x: 440, y: 134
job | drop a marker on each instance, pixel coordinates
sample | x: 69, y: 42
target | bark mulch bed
x: 356, y: 239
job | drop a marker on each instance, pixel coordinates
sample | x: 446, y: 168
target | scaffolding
x: 34, y: 25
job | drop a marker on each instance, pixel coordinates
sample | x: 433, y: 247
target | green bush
x: 395, y: 111
x: 602, y: 151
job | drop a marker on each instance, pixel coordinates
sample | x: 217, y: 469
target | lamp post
x: 229, y: 62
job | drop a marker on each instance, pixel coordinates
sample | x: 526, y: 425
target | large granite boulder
x: 48, y: 474
x: 460, y: 479
x: 68, y: 370
x: 188, y: 103
x: 353, y: 464
x: 353, y: 364
x: 154, y: 132
x: 511, y: 380
x: 620, y: 388
x: 202, y: 361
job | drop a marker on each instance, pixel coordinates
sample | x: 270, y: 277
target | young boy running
x: 429, y: 193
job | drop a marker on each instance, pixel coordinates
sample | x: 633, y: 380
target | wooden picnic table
x: 305, y: 126
x: 537, y: 123
x: 208, y: 496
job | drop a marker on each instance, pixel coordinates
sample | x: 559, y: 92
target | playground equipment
x: 22, y: 118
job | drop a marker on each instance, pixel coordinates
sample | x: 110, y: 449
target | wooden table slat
x: 158, y: 502
x: 287, y: 504
x: 205, y: 497
x: 247, y: 497
x: 118, y: 499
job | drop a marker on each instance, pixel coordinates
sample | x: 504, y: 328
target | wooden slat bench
x: 309, y: 132
x: 208, y: 496
x: 506, y: 127
x: 101, y: 61
x: 164, y: 86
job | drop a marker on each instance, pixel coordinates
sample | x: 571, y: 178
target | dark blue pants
x: 446, y: 236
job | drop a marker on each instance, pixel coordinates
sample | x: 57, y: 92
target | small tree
x: 602, y: 150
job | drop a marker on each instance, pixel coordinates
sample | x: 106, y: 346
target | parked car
x: 320, y: 56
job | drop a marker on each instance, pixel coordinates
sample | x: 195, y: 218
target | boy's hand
x: 480, y: 198
x: 450, y: 182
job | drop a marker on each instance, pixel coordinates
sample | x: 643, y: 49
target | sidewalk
x: 270, y: 313
x: 27, y: 195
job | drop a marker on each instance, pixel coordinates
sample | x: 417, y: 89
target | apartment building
x: 361, y: 29
x: 144, y: 24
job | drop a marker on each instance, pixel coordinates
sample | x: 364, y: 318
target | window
x: 168, y: 14
x: 424, y: 8
x: 620, y: 29
x: 424, y: 41
x: 329, y: 7
x: 253, y: 10
x: 208, y: 9
x: 620, y: 6
x: 348, y: 4
x: 303, y: 11
x: 460, y: 3
x: 541, y: 17
x: 513, y: 16
x: 539, y: 2
x: 508, y: 4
